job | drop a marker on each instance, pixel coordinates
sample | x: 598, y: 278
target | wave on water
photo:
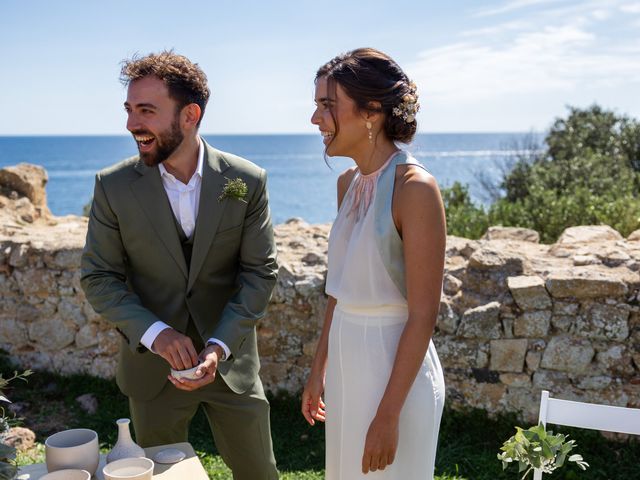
x: 71, y: 173
x: 473, y: 153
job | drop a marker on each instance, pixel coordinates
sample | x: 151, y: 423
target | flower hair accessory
x: 409, y: 106
x: 234, y: 189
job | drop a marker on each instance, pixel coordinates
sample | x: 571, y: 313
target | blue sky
x: 496, y: 65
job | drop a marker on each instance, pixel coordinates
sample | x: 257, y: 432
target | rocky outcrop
x: 515, y: 317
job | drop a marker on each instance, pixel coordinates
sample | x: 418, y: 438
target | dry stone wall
x: 515, y: 317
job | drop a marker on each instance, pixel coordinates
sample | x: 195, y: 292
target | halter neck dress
x: 367, y: 323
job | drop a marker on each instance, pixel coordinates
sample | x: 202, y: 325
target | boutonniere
x: 234, y: 189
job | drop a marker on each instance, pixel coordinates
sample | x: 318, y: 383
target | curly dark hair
x: 184, y: 79
x: 370, y: 76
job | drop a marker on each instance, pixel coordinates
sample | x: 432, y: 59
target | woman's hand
x: 312, y: 404
x: 381, y: 444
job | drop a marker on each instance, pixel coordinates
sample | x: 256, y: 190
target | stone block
x: 309, y: 348
x: 108, y: 342
x: 492, y: 259
x: 585, y: 283
x: 72, y: 312
x: 20, y: 438
x: 517, y: 380
x: 87, y: 336
x: 522, y: 399
x: 454, y: 352
x: 565, y: 308
x: 597, y: 382
x: 512, y: 233
x: 64, y: 259
x: 19, y: 256
x: 562, y: 322
x: 458, y: 246
x: 489, y: 396
x: 448, y: 319
x: 36, y: 282
x: 589, y: 233
x: 534, y: 323
x: 615, y: 359
x: 529, y: 292
x: 451, y: 285
x: 552, y: 381
x: 507, y: 326
x: 532, y: 360
x: 582, y: 260
x: 13, y: 332
x: 568, y: 354
x: 508, y: 355
x: 52, y: 333
x: 481, y: 322
x: 604, y: 322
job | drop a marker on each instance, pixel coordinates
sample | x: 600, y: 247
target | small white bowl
x: 129, y: 469
x: 189, y: 373
x: 72, y: 449
x: 67, y: 474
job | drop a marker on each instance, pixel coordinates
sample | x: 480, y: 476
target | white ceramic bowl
x: 72, y: 449
x: 67, y: 474
x: 189, y: 373
x: 129, y: 469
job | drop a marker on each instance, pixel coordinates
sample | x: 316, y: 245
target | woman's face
x: 351, y: 137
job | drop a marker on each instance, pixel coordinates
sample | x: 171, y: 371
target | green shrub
x: 464, y: 219
x: 589, y: 174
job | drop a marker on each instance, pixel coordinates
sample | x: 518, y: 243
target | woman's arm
x: 312, y: 404
x: 419, y: 216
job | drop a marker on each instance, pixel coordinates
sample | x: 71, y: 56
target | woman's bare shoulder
x: 416, y: 181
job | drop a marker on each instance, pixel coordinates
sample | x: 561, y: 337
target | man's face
x: 153, y: 120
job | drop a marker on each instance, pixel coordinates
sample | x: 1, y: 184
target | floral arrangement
x: 537, y: 448
x: 8, y: 468
x: 409, y: 106
x: 236, y: 188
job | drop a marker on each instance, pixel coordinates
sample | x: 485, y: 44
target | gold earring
x: 369, y: 133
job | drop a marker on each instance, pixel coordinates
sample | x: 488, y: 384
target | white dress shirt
x: 184, y: 200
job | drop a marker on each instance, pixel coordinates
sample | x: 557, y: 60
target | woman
x: 384, y: 387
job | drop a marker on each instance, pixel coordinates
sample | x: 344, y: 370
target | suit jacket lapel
x: 151, y: 195
x: 210, y: 210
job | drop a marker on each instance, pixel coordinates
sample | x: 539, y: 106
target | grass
x: 469, y: 440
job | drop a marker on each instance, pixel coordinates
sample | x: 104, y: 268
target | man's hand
x: 175, y: 348
x: 206, y: 371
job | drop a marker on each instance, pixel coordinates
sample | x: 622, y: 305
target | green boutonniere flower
x: 234, y: 189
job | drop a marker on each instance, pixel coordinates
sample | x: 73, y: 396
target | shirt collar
x: 199, y: 166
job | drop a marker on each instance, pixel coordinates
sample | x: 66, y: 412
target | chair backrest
x: 587, y: 415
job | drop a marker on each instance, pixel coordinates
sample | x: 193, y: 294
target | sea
x: 301, y: 182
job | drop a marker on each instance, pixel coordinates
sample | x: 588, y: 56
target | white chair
x: 587, y: 415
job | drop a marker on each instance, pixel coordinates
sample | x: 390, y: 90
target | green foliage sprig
x: 235, y: 188
x: 8, y: 468
x: 537, y: 448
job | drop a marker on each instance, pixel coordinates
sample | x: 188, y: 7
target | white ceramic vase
x: 125, y: 447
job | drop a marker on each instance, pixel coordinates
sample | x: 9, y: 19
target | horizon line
x: 236, y: 134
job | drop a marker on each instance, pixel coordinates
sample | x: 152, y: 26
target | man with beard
x: 180, y: 257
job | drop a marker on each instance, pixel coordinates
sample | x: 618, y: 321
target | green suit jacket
x: 134, y: 271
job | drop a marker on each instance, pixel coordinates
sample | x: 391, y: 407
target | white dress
x: 367, y: 323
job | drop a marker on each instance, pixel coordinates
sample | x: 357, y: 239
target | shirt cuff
x: 227, y: 352
x: 152, y: 332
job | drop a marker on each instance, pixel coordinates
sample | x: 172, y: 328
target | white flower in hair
x: 409, y: 107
